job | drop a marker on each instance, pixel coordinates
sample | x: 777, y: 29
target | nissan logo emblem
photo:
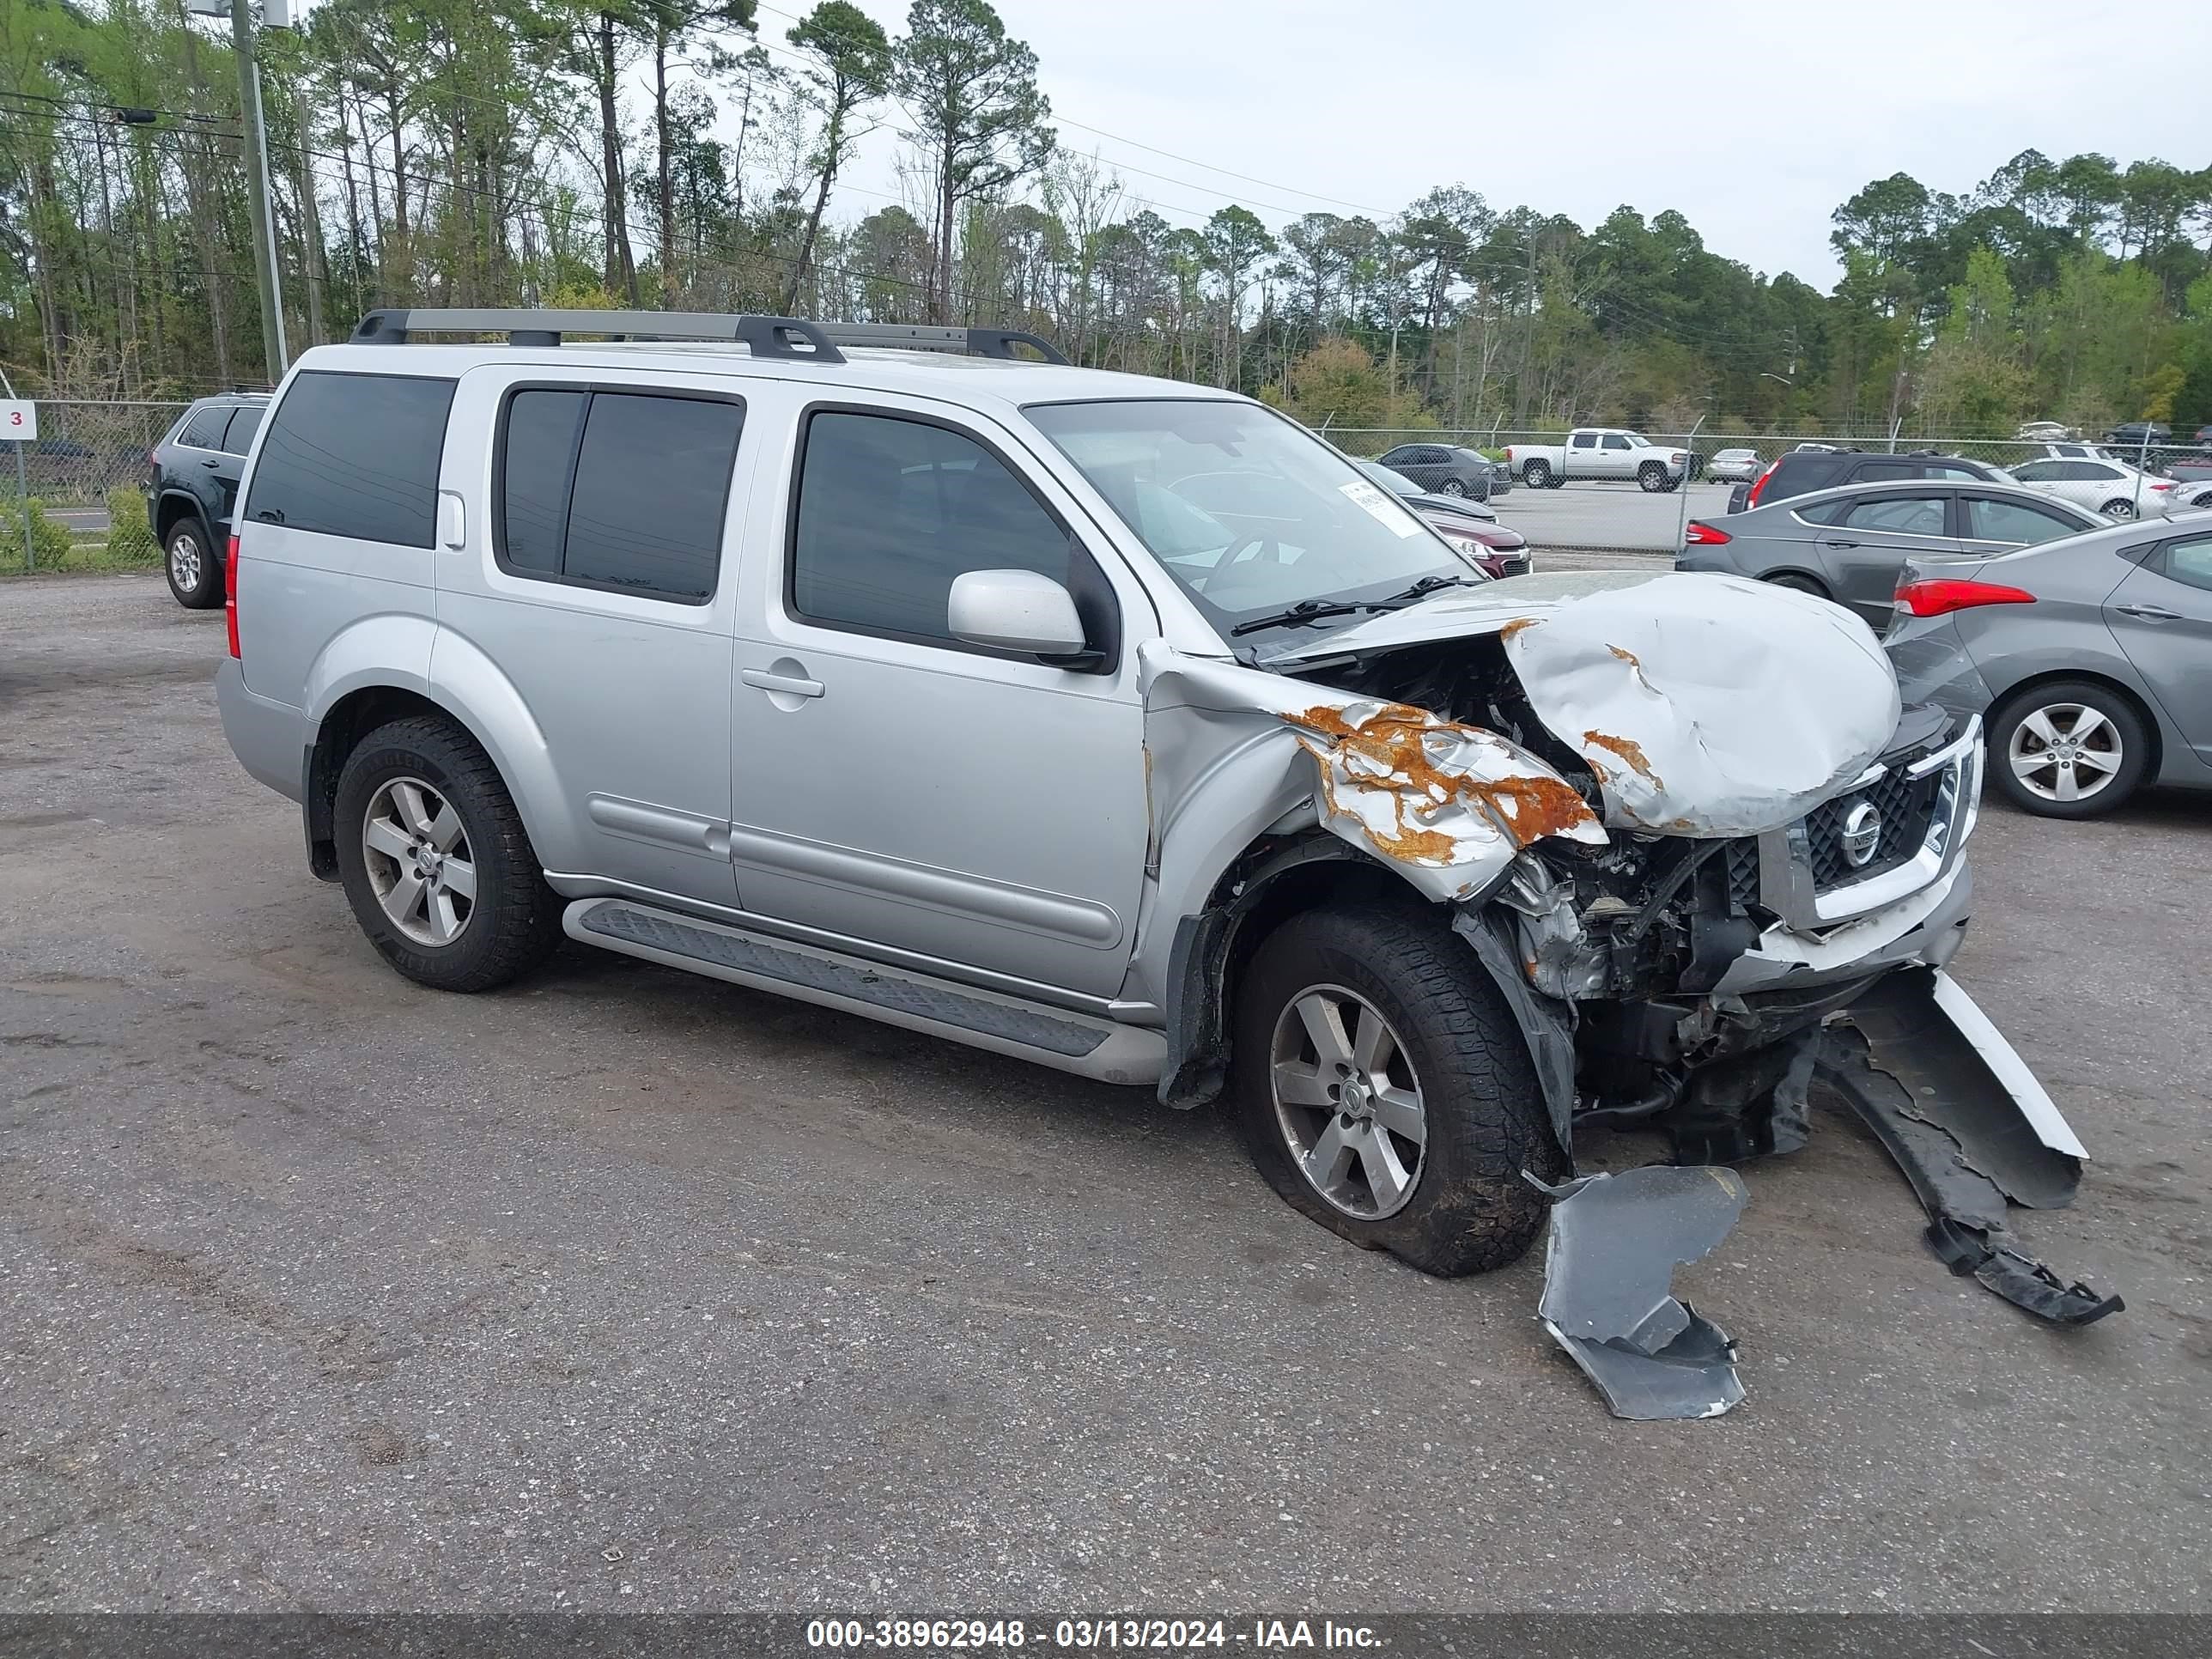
x: 1861, y: 835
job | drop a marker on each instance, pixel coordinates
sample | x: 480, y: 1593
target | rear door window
x: 354, y: 455
x: 622, y: 491
x: 1896, y: 515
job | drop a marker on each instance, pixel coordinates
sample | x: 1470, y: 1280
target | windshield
x: 1248, y: 511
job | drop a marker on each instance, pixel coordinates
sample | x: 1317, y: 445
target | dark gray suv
x: 194, y: 486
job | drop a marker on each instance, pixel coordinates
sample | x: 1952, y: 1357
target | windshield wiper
x: 1426, y: 586
x: 1307, y: 611
x: 1304, y: 612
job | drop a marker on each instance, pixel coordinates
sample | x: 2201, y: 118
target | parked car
x: 2045, y: 432
x: 1448, y: 470
x: 2072, y: 452
x: 1733, y: 466
x: 1596, y: 452
x: 2112, y: 487
x: 2139, y: 434
x: 192, y: 488
x: 1113, y: 723
x: 1803, y: 470
x: 2087, y: 655
x: 2192, y: 484
x: 1848, y: 545
x: 1470, y: 527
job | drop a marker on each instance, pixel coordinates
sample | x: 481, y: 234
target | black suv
x: 1801, y: 471
x: 193, y: 486
x: 1448, y: 470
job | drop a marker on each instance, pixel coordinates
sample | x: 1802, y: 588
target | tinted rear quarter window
x: 203, y: 428
x: 354, y: 455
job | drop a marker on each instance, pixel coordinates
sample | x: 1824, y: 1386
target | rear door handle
x: 2148, y: 612
x: 210, y: 464
x: 790, y: 684
x: 1839, y: 543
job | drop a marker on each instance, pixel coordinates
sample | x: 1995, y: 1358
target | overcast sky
x: 1755, y: 121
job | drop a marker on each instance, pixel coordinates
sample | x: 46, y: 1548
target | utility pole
x: 257, y: 178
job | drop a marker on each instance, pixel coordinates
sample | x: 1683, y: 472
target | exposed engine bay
x: 1691, y: 835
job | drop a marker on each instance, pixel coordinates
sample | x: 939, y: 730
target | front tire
x: 436, y: 862
x: 190, y: 561
x: 1451, y: 487
x: 1537, y: 476
x: 1385, y: 1089
x: 2068, y: 748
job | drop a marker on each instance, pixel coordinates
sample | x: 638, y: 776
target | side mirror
x: 1014, y: 610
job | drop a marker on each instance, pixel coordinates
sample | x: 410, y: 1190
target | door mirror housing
x: 1015, y: 610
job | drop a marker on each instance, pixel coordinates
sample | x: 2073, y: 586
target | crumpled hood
x: 1706, y: 705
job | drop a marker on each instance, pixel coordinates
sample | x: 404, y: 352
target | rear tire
x: 392, y: 823
x: 1536, y: 475
x: 2118, y: 508
x: 1652, y: 477
x: 1799, y: 584
x: 1449, y: 1040
x: 190, y: 561
x: 2109, y: 757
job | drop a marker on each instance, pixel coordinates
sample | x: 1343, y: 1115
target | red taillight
x: 1758, y: 485
x: 230, y: 595
x: 2161, y: 486
x: 1939, y: 596
x: 1704, y: 535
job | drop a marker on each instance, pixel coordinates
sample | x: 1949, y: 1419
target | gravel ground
x: 628, y: 1290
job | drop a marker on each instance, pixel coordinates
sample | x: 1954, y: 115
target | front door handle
x: 791, y: 685
x: 210, y: 464
x: 1839, y: 543
x: 2148, y: 612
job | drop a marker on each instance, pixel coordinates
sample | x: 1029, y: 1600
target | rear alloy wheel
x: 1385, y: 1089
x: 2069, y: 749
x: 1536, y: 476
x: 1652, y: 476
x: 1451, y: 487
x: 2118, y: 508
x: 195, y: 572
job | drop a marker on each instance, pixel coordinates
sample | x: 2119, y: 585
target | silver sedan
x: 2088, y: 656
x: 1849, y: 543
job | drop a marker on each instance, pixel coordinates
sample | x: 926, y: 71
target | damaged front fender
x: 1447, y: 804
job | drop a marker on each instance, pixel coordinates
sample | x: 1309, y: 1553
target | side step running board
x: 1056, y: 1037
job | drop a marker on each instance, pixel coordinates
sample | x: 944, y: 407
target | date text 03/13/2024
x: 1113, y: 1635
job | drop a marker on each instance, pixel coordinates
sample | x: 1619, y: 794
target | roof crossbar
x: 788, y: 338
x: 791, y: 339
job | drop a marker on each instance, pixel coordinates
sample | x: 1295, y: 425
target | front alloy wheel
x: 418, y: 855
x: 1451, y: 487
x: 1347, y: 1102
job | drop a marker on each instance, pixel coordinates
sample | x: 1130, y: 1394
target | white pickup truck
x: 1598, y: 452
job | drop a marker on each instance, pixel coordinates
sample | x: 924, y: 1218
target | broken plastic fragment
x: 1608, y: 1297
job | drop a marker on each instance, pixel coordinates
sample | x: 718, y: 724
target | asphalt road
x: 628, y: 1290
x: 1613, y: 516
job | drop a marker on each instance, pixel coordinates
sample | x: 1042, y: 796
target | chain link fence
x: 83, y: 475
x: 1714, y: 436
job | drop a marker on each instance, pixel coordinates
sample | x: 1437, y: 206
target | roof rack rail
x: 921, y: 337
x: 787, y: 337
x: 792, y: 338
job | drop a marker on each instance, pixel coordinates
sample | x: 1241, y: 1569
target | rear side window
x: 204, y: 429
x: 244, y: 422
x: 889, y: 511
x: 354, y: 455
x: 618, y: 490
x: 1902, y: 515
x: 1990, y: 521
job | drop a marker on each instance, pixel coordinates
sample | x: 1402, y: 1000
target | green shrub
x: 129, y: 538
x: 49, y: 537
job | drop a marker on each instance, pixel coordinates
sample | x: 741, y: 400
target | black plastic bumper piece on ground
x: 1962, y: 1139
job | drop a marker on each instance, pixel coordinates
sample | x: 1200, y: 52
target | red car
x: 1470, y: 527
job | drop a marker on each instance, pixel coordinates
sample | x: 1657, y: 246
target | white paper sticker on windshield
x: 1382, y: 509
